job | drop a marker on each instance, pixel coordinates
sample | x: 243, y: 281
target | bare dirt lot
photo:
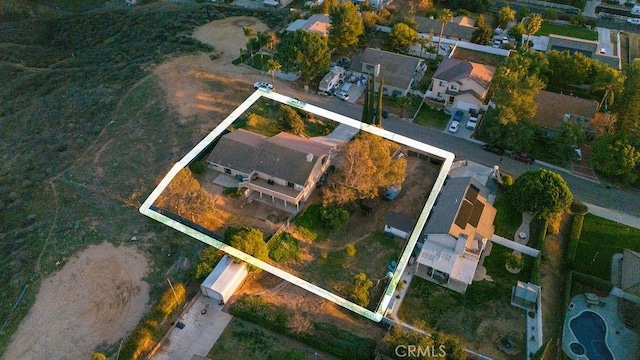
x: 96, y: 298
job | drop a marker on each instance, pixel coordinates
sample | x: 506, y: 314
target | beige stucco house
x: 281, y: 168
x: 398, y: 71
x: 461, y: 84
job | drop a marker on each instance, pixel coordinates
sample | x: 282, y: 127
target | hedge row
x: 540, y: 234
x: 593, y: 282
x: 574, y: 239
x: 150, y: 330
x: 323, y: 336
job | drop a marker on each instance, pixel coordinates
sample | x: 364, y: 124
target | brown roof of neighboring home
x: 397, y: 70
x: 451, y: 69
x: 318, y: 23
x: 552, y: 107
x: 460, y: 27
x: 237, y: 150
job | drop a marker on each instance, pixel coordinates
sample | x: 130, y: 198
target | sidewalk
x: 613, y: 215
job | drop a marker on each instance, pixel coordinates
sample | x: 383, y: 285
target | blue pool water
x: 590, y: 329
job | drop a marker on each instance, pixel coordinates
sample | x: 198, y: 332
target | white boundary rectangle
x: 448, y: 157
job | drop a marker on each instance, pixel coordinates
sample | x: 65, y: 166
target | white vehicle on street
x: 633, y: 21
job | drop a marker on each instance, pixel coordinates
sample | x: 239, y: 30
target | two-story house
x: 284, y: 167
x: 398, y: 71
x: 461, y: 84
x: 456, y: 234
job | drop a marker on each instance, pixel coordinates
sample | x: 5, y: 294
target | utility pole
x: 174, y: 292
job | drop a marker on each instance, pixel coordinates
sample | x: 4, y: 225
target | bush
x: 577, y: 207
x: 198, y: 167
x: 507, y: 180
x: 207, y: 260
x: 350, y: 250
x: 284, y: 247
x: 334, y: 217
x: 574, y: 239
x: 515, y: 261
x: 232, y: 192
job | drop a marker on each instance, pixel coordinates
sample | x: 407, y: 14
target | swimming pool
x: 590, y: 331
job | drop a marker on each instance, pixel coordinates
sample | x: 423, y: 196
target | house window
x: 442, y: 83
x: 439, y: 94
x: 227, y: 171
x: 454, y: 87
x: 369, y: 67
x: 290, y: 184
x: 451, y: 99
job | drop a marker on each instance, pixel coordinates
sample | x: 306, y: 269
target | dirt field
x: 96, y: 298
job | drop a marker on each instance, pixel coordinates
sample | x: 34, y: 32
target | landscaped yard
x: 508, y: 219
x: 244, y: 340
x: 479, y: 57
x: 432, y: 117
x: 566, y: 30
x: 600, y: 239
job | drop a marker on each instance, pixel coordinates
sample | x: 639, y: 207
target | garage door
x: 213, y: 294
x: 465, y: 106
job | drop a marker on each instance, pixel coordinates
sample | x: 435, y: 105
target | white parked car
x: 263, y: 86
x: 455, y: 125
x: 472, y: 123
x: 342, y: 95
x: 634, y: 21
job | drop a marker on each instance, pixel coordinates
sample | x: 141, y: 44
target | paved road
x: 585, y: 190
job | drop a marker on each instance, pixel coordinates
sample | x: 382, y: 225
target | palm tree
x: 249, y: 32
x: 532, y: 23
x: 273, y: 65
x: 445, y: 16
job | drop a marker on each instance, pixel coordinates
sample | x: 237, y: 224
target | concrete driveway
x: 199, y: 333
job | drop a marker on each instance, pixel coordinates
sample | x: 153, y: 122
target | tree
x: 504, y: 16
x: 419, y: 5
x: 402, y: 36
x: 185, y: 196
x: 522, y: 13
x: 290, y: 121
x: 360, y: 292
x: 613, y: 155
x: 272, y: 66
x: 370, y: 19
x: 482, y: 35
x: 404, y: 103
x: 628, y: 105
x: 379, y: 105
x: 517, y: 31
x: 608, y: 80
x: 367, y: 106
x: 346, y: 26
x: 569, y: 135
x: 305, y: 51
x: 540, y: 192
x: 250, y: 241
x: 568, y: 69
x: 532, y: 24
x: 364, y: 165
x: 249, y: 33
x: 98, y: 356
x: 445, y: 16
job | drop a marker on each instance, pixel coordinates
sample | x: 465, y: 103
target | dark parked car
x: 494, y: 149
x: 458, y: 116
x: 524, y: 157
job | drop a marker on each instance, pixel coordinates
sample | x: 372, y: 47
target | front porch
x: 282, y: 197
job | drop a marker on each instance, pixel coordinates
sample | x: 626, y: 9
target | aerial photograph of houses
x: 323, y: 179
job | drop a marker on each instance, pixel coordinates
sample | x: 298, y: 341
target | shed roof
x: 399, y: 221
x: 526, y: 292
x: 225, y: 275
x: 552, y: 108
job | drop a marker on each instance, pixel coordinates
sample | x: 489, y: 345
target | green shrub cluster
x: 198, y: 167
x: 207, y: 260
x: 284, y: 247
x: 334, y: 217
x: 574, y: 239
x: 147, y: 333
x: 323, y: 336
x: 540, y: 233
x: 577, y: 207
x: 232, y: 192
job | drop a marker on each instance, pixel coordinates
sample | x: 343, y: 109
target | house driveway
x: 199, y: 334
x: 604, y: 40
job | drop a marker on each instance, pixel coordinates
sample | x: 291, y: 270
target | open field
x: 601, y: 239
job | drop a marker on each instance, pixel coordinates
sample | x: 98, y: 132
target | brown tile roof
x: 451, y: 69
x: 397, y: 70
x: 552, y: 107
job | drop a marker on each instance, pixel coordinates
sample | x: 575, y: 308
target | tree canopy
x: 305, y: 51
x: 628, y: 105
x: 402, y: 36
x: 346, y: 26
x: 185, y: 196
x: 290, y: 121
x: 532, y: 24
x: 364, y: 165
x: 540, y: 192
x: 360, y: 292
x: 250, y: 241
x: 504, y: 16
x: 614, y: 156
x: 482, y: 35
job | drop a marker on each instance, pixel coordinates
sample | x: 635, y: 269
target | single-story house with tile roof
x: 460, y: 28
x: 284, y: 167
x: 630, y: 272
x: 456, y: 234
x: 398, y: 224
x: 554, y: 108
x: 317, y: 23
x: 397, y: 71
x: 461, y: 84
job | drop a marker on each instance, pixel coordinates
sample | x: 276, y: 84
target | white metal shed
x: 224, y: 279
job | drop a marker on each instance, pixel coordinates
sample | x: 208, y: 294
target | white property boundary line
x: 376, y: 316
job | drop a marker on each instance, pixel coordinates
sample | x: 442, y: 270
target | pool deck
x: 622, y: 342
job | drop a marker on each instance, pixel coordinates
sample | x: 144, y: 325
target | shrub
x: 334, y: 217
x: 515, y: 261
x: 360, y: 292
x: 207, y: 260
x: 284, y: 247
x: 306, y: 233
x: 98, y: 356
x: 400, y: 285
x: 574, y: 239
x: 232, y: 192
x: 350, y: 250
x: 577, y: 207
x: 198, y: 167
x: 507, y: 180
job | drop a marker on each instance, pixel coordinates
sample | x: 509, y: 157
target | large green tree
x: 364, y: 165
x: 401, y: 37
x: 305, y: 51
x: 568, y: 69
x: 250, y: 241
x: 607, y: 80
x: 613, y: 156
x: 290, y: 121
x: 504, y: 16
x: 482, y: 35
x: 444, y: 16
x: 540, y: 192
x: 346, y: 26
x: 628, y: 105
x: 532, y: 24
x: 360, y: 291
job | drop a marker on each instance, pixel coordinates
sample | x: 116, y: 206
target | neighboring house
x: 456, y: 234
x: 276, y: 3
x: 589, y: 48
x: 630, y: 272
x: 460, y: 28
x: 555, y: 108
x: 398, y: 71
x: 285, y: 167
x: 317, y: 23
x: 398, y: 224
x: 461, y: 84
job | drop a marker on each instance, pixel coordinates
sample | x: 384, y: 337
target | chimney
x: 309, y: 157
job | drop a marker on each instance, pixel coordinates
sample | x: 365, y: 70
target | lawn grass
x: 432, y: 117
x: 284, y: 247
x: 565, y: 30
x: 600, y: 239
x: 242, y: 339
x: 508, y: 219
x: 391, y: 104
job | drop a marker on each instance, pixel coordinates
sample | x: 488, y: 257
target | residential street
x: 585, y: 190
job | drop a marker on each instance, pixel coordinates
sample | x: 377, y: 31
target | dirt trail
x: 96, y: 298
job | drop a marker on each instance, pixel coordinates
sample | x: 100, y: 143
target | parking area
x: 462, y: 131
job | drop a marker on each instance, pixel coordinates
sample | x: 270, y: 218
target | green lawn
x: 600, y: 239
x: 432, y: 117
x: 565, y: 30
x: 392, y: 105
x: 508, y: 219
